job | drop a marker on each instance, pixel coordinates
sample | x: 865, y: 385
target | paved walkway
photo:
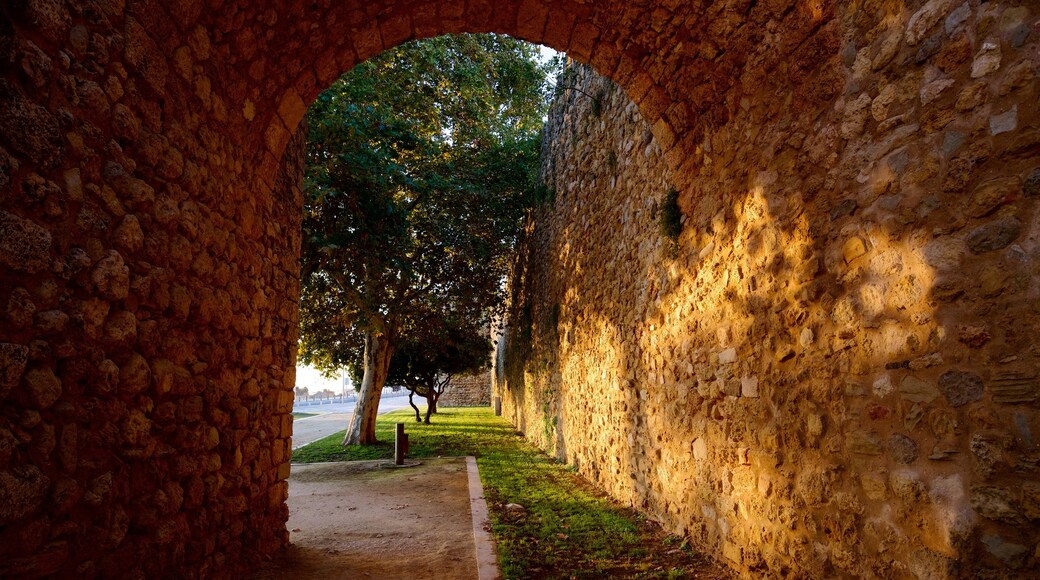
x: 333, y: 418
x: 369, y: 519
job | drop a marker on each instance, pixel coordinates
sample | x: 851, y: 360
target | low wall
x: 468, y: 391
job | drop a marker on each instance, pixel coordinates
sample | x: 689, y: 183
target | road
x: 333, y: 418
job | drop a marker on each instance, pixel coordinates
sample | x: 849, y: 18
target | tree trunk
x: 362, y: 428
x: 438, y: 390
x: 411, y: 392
x: 431, y: 404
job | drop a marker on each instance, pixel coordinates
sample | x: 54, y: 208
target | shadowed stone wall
x: 833, y: 371
x: 149, y: 233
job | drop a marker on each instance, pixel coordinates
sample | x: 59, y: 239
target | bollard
x: 498, y: 406
x: 400, y: 445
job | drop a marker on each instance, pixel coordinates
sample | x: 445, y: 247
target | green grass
x: 302, y: 415
x: 568, y: 529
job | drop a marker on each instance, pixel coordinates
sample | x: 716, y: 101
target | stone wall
x: 149, y: 232
x: 833, y: 371
x: 468, y: 391
x: 146, y: 297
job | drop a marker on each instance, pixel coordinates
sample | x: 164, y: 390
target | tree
x: 420, y: 165
x: 426, y: 362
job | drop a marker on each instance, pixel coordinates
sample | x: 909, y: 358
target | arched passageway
x: 149, y: 234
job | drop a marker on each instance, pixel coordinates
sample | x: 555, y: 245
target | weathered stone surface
x: 22, y: 490
x: 917, y: 391
x: 749, y: 387
x: 995, y: 235
x: 43, y: 387
x: 864, y: 443
x: 926, y: 563
x: 143, y: 53
x: 956, y: 18
x: 111, y: 276
x: 996, y: 504
x: 987, y: 60
x: 1015, y: 387
x: 990, y: 195
x: 1031, y: 187
x: 468, y: 391
x: 902, y: 448
x: 1004, y: 122
x: 24, y: 245
x: 856, y: 114
x: 960, y: 388
x: 33, y: 131
x: 1031, y: 500
x: 1012, y: 554
x: 157, y: 131
x: 13, y: 358
x: 852, y: 315
x: 925, y: 18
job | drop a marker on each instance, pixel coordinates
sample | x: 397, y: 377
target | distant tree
x: 424, y: 364
x: 420, y: 165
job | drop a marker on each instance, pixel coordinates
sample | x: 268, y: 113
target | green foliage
x: 569, y: 528
x: 670, y: 216
x: 549, y: 422
x: 447, y: 347
x: 420, y: 165
x: 544, y: 195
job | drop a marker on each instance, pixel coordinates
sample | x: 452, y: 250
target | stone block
x: 22, y: 491
x: 13, y: 358
x: 960, y: 388
x: 24, y: 245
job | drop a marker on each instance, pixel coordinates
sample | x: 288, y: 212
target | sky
x: 546, y: 52
x: 309, y: 377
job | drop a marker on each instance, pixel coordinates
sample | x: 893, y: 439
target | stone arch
x: 672, y: 86
x: 150, y: 206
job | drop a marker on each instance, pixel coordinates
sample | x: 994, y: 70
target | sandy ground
x: 368, y: 519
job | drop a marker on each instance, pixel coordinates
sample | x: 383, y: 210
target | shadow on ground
x: 368, y: 519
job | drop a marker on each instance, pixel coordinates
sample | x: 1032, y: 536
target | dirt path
x: 367, y: 519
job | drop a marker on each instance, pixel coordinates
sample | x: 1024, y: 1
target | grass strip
x: 566, y: 527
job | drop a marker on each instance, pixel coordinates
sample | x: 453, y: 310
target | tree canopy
x: 428, y: 359
x: 420, y: 164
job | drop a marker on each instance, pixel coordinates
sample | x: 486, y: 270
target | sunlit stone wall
x: 834, y: 370
x: 858, y: 180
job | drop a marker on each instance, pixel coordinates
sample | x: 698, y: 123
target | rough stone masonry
x: 848, y: 314
x: 834, y: 370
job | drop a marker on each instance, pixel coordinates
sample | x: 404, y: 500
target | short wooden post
x: 498, y: 406
x: 400, y: 445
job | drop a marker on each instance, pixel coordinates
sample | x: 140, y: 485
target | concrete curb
x: 487, y: 560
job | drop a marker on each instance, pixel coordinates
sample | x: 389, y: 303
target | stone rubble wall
x: 835, y: 371
x: 148, y: 301
x: 149, y: 243
x: 472, y: 390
